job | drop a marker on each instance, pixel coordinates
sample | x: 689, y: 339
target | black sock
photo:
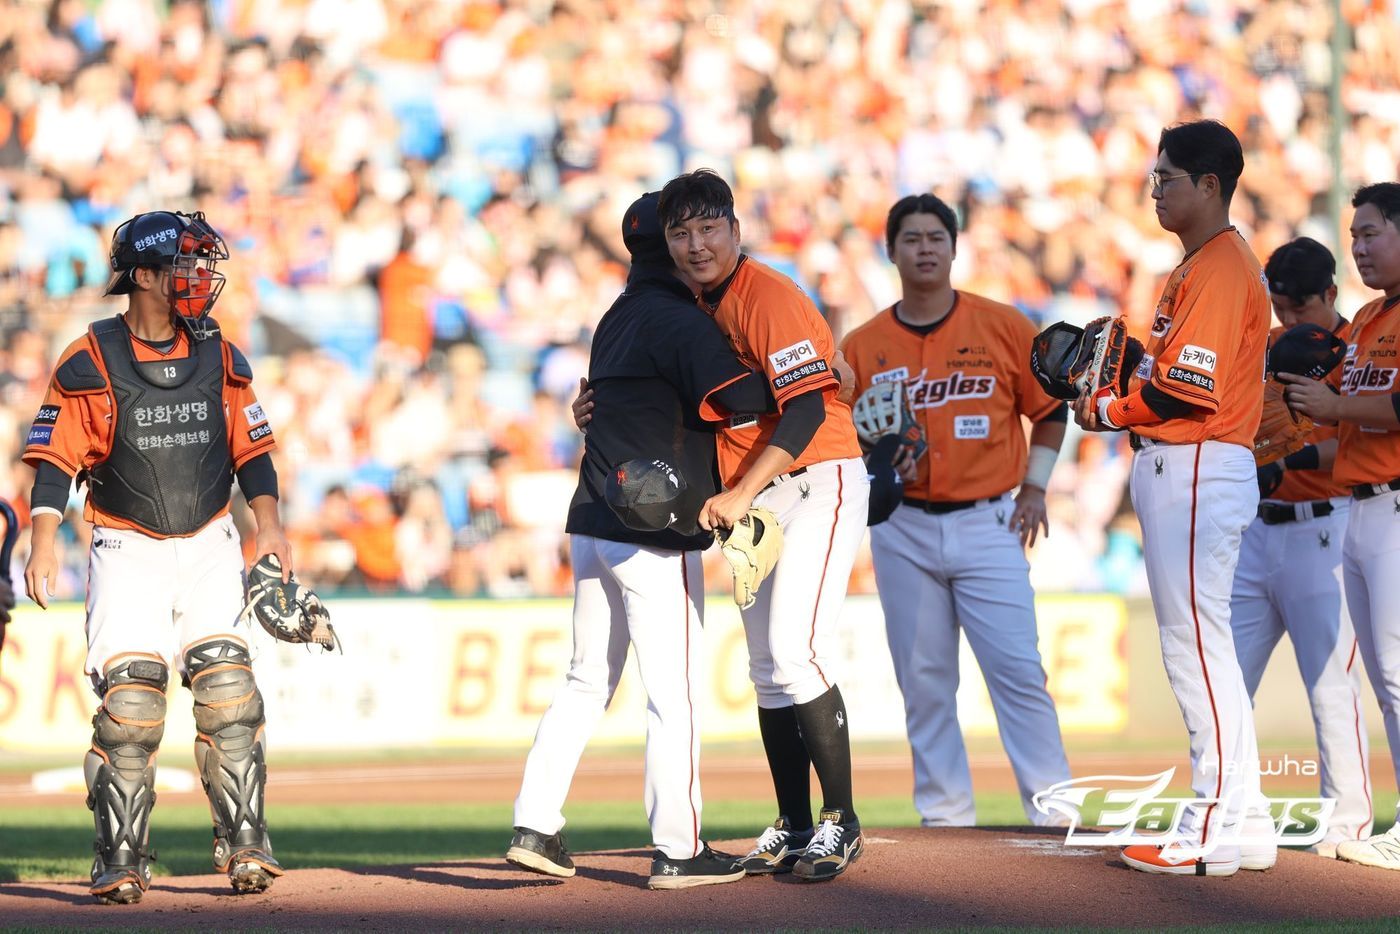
x: 825, y: 731
x: 789, y: 763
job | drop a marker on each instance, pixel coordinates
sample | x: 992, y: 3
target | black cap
x: 886, y: 485
x: 645, y: 493
x: 641, y: 231
x: 1300, y: 268
x: 1307, y: 350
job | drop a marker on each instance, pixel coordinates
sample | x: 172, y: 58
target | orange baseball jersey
x: 74, y: 431
x: 967, y: 381
x: 774, y: 327
x: 1370, y: 455
x: 1208, y: 344
x: 1300, y: 486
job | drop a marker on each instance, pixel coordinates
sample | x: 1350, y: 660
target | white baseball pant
x: 1371, y: 571
x: 651, y: 599
x: 789, y: 627
x: 1289, y: 580
x: 161, y: 595
x: 1194, y: 502
x: 938, y: 574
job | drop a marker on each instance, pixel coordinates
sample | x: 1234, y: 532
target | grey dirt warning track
x: 907, y: 878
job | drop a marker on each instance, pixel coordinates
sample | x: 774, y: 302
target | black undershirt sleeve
x: 1058, y: 414
x: 1165, y: 406
x: 748, y: 395
x: 51, y: 487
x: 799, y: 423
x: 1395, y: 404
x: 258, y: 477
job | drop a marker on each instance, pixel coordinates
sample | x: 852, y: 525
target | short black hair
x: 1205, y: 147
x: 1300, y: 269
x: 701, y: 193
x: 919, y: 204
x: 1385, y: 196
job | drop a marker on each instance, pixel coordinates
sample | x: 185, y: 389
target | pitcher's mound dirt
x: 906, y: 878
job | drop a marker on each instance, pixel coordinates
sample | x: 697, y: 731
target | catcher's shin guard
x: 121, y: 775
x: 228, y: 748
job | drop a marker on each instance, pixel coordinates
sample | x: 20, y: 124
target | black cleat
x: 705, y: 868
x: 835, y: 845
x: 777, y: 850
x: 532, y: 850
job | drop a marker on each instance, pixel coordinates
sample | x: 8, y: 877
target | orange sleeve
x: 71, y: 430
x: 1199, y: 347
x: 788, y: 338
x: 249, y: 431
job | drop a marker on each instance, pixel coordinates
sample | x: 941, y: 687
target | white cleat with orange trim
x: 1170, y: 860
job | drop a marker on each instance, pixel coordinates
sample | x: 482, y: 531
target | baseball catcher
x: 1306, y: 350
x: 289, y: 611
x: 882, y: 410
x: 752, y: 548
x: 1098, y: 358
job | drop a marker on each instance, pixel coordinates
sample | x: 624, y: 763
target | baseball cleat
x: 835, y: 845
x: 1258, y: 845
x: 1224, y: 861
x: 253, y: 871
x: 778, y: 849
x: 705, y: 868
x: 1381, y: 851
x: 118, y: 888
x: 538, y: 852
x: 1327, y: 849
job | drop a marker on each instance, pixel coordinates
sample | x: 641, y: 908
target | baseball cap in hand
x: 886, y: 486
x: 1307, y: 350
x: 645, y: 493
x: 641, y: 231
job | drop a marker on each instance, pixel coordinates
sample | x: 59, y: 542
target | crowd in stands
x: 421, y: 199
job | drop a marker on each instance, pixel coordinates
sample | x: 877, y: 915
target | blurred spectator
x: 420, y: 196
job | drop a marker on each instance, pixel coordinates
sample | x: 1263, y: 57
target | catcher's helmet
x: 1307, y: 350
x: 645, y: 494
x: 183, y: 243
x: 1054, y: 352
x: 886, y: 485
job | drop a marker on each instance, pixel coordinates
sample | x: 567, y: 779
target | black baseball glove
x: 288, y: 611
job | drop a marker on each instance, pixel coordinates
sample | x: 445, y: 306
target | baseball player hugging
x: 1193, y: 403
x: 1289, y: 577
x: 948, y: 371
x: 1367, y: 462
x: 802, y: 464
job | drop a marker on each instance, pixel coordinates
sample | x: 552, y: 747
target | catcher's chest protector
x: 170, y: 469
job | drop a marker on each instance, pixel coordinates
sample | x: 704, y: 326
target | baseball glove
x: 1068, y: 361
x: 752, y: 548
x: 883, y: 409
x: 1281, y: 430
x: 289, y: 612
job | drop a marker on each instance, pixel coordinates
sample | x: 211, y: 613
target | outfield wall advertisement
x: 421, y: 673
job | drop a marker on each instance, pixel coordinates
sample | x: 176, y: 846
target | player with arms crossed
x: 1367, y: 461
x: 157, y: 413
x: 804, y: 465
x: 660, y: 374
x: 951, y: 557
x: 1193, y: 405
x: 1289, y: 577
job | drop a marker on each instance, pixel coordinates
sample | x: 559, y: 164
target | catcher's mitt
x: 883, y: 409
x: 289, y: 612
x: 752, y: 548
x: 1068, y: 361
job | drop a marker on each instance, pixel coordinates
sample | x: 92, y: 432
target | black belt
x: 1367, y: 490
x: 1279, y: 513
x: 1138, y: 442
x: 950, y: 506
x: 784, y: 476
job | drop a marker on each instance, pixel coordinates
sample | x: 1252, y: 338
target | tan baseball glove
x: 1281, y: 430
x: 883, y: 409
x: 752, y: 548
x: 289, y: 612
